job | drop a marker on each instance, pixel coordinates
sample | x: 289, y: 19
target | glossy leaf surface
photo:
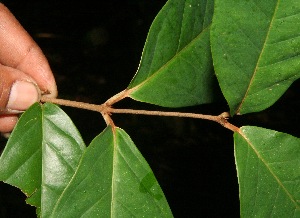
x: 255, y: 48
x: 268, y: 166
x: 46, y: 158
x: 42, y: 155
x: 176, y: 67
x: 113, y: 180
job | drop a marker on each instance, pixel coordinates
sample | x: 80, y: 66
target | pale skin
x: 25, y: 74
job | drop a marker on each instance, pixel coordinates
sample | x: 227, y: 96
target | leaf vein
x: 113, y: 174
x: 290, y: 38
x: 289, y: 79
x: 25, y: 161
x: 259, y: 57
x: 205, y: 14
x: 58, y: 154
x: 259, y: 8
x: 75, y: 189
x: 61, y: 131
x: 289, y: 16
x: 233, y: 60
x: 271, y: 171
x: 171, y: 60
x: 180, y: 35
x: 94, y: 204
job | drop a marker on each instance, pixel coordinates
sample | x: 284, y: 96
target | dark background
x: 94, y: 49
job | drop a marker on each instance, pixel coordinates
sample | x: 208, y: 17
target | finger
x: 7, y: 123
x: 17, y: 90
x: 18, y: 50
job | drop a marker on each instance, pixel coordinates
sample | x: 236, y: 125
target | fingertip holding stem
x: 22, y: 95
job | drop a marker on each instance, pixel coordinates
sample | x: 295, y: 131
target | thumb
x: 17, y: 91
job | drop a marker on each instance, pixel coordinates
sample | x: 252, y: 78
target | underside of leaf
x: 268, y: 170
x: 255, y: 47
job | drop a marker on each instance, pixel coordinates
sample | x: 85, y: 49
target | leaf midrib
x: 114, y: 159
x: 290, y: 196
x: 258, y: 60
x: 171, y: 60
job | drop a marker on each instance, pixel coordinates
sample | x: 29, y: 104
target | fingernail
x: 22, y: 95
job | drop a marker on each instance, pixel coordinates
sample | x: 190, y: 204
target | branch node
x: 108, y: 119
x: 118, y: 97
x: 225, y: 115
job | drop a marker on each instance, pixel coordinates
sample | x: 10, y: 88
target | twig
x: 106, y: 110
x: 221, y: 119
x: 118, y: 97
x: 76, y: 104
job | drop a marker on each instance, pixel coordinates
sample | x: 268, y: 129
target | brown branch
x: 103, y: 108
x: 164, y: 113
x: 221, y: 119
x: 106, y: 110
x: 76, y: 104
x: 118, y: 97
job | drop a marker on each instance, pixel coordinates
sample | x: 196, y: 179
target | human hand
x: 25, y: 74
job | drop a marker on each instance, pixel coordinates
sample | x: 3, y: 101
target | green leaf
x: 113, y: 180
x: 256, y: 51
x: 176, y: 67
x: 42, y: 155
x: 46, y: 158
x: 268, y: 165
